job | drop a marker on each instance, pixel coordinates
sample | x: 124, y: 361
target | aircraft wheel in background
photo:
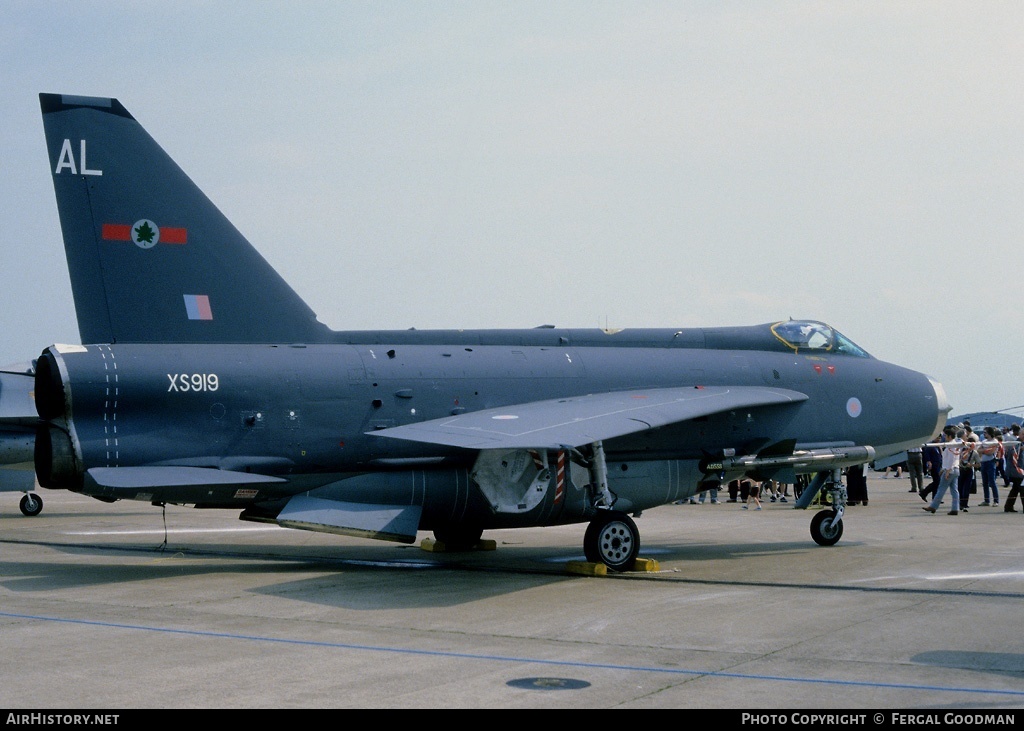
x: 31, y: 504
x: 825, y: 530
x: 612, y: 538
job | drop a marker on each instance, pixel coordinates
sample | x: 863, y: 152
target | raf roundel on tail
x: 226, y: 400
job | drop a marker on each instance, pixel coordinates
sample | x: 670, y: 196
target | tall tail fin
x: 151, y: 258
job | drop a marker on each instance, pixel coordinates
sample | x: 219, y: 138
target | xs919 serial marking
x: 184, y: 382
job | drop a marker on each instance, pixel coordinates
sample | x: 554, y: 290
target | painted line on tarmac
x: 518, y: 660
x: 973, y: 576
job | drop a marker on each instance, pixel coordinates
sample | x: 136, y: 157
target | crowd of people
x: 954, y: 462
x: 748, y: 492
x: 958, y: 456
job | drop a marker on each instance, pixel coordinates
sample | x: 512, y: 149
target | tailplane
x: 151, y: 258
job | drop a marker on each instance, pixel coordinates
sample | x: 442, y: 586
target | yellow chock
x: 647, y: 564
x: 586, y: 568
x: 429, y: 544
x: 599, y: 569
x: 435, y: 546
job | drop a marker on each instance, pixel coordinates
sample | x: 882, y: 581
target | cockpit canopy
x: 809, y: 335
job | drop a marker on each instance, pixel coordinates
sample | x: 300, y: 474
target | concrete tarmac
x: 908, y: 611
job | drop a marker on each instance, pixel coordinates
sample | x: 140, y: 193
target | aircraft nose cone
x: 942, y: 405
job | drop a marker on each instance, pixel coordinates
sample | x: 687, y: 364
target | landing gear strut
x: 826, y: 525
x: 612, y: 537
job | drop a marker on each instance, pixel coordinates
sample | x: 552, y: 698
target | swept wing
x: 579, y: 420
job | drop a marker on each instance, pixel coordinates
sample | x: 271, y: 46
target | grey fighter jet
x: 18, y: 423
x: 203, y: 379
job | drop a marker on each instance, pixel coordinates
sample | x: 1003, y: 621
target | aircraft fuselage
x: 311, y: 411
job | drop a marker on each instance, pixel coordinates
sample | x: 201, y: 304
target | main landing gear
x: 612, y: 538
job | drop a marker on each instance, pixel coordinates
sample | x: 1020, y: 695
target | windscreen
x: 804, y: 335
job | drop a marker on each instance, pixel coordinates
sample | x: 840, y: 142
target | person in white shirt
x: 950, y: 474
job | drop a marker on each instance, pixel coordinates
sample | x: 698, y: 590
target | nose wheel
x: 827, y: 527
x: 612, y: 538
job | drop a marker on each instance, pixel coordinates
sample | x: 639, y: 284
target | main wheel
x: 458, y: 537
x: 825, y: 530
x: 31, y: 504
x: 612, y: 538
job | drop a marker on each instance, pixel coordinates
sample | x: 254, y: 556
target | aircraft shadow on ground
x: 695, y: 552
x: 358, y: 578
x: 371, y: 577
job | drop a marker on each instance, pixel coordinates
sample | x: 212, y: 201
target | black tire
x: 825, y: 530
x: 458, y: 537
x: 612, y: 538
x: 31, y: 504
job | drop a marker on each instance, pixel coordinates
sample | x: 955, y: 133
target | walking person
x: 970, y: 462
x: 1001, y: 436
x: 950, y: 474
x: 987, y: 454
x: 738, y: 491
x: 1013, y: 468
x: 933, y: 465
x: 754, y: 494
x: 714, y: 496
x: 915, y: 466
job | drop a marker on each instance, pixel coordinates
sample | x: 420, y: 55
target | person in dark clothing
x: 1013, y: 466
x: 915, y: 466
x: 970, y: 463
x: 932, y: 456
x: 739, y: 489
x: 856, y: 485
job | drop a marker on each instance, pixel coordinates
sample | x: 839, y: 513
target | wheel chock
x: 586, y: 568
x: 435, y: 546
x: 647, y: 564
x: 599, y: 569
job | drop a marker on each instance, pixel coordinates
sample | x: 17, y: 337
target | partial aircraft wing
x: 17, y: 404
x: 18, y: 419
x: 580, y: 420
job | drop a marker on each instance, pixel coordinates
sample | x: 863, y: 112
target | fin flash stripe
x: 123, y: 232
x: 198, y: 307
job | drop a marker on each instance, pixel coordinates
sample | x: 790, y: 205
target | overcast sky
x: 584, y: 164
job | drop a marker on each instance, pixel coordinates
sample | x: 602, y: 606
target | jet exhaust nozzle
x: 56, y: 466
